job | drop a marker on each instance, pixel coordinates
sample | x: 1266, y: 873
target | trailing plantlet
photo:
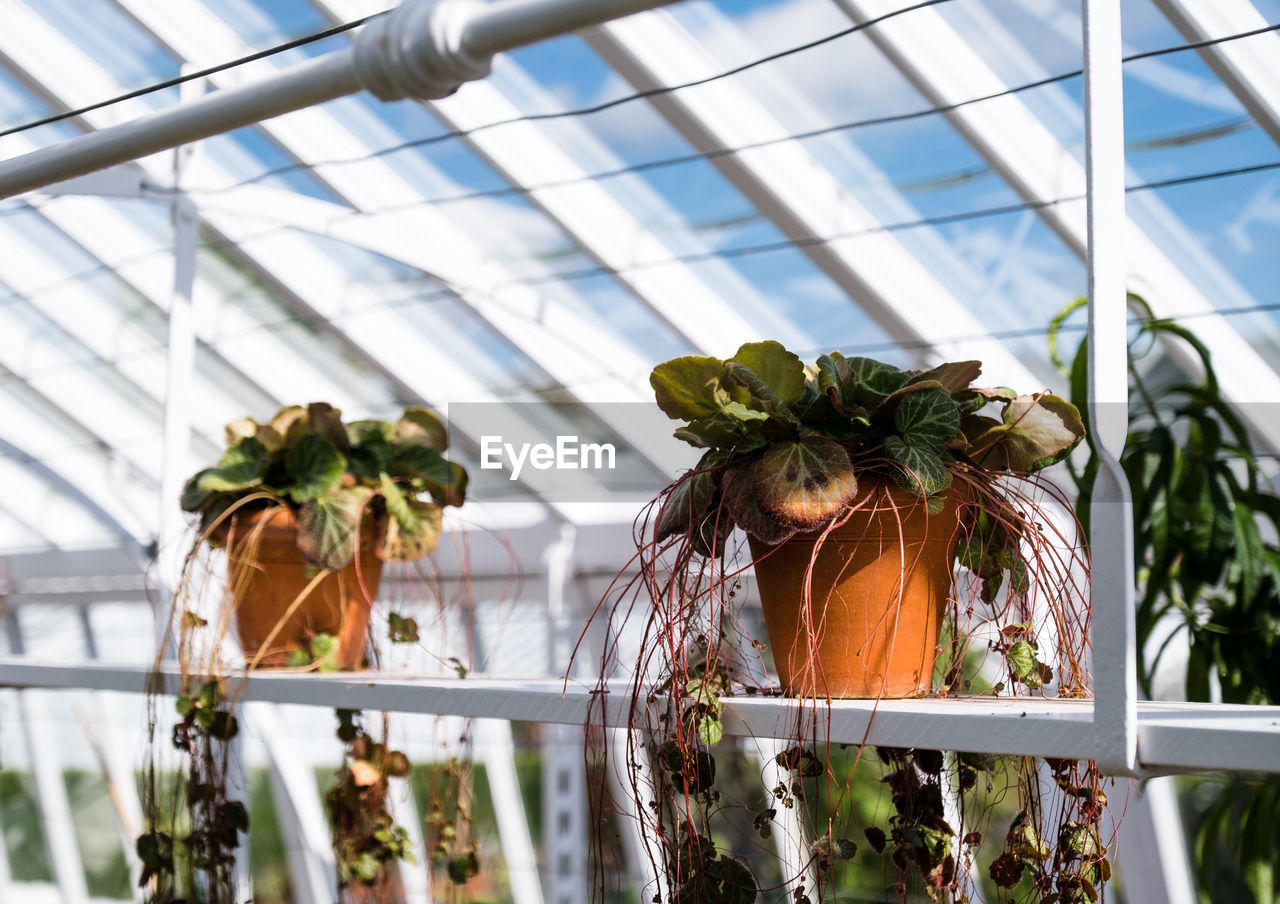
x: 305, y: 509
x: 902, y: 545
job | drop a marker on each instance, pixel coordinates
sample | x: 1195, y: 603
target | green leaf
x: 222, y: 725
x: 290, y: 424
x: 327, y: 526
x: 692, y: 388
x: 686, y: 505
x: 315, y: 465
x: 1037, y: 431
x: 241, y: 467
x: 325, y: 420
x: 736, y: 883
x: 805, y: 483
x: 927, y: 419
x: 1022, y: 659
x: 955, y: 376
x: 1250, y: 557
x: 414, y: 527
x: 235, y: 814
x: 365, y: 867
x: 371, y: 431
x: 239, y: 429
x: 926, y: 466
x: 421, y: 426
x: 857, y: 385
x: 741, y: 497
x: 401, y: 629
x: 778, y: 369
x: 193, y: 497
x: 710, y: 730
x: 845, y: 849
x: 463, y: 867
x: 426, y: 469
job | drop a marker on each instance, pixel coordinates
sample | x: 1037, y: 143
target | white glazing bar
x: 179, y: 376
x: 414, y: 877
x: 298, y: 805
x: 1111, y: 543
x: 56, y: 819
x: 1151, y: 848
x: 493, y: 737
x: 1247, y: 66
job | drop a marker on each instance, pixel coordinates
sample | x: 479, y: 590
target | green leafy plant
x: 1208, y: 570
x: 786, y: 444
x: 791, y: 449
x: 334, y: 475
x: 366, y: 839
x: 368, y: 485
x: 206, y: 846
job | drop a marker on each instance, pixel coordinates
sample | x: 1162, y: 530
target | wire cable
x: 579, y: 111
x: 313, y: 321
x: 191, y: 76
x: 680, y: 159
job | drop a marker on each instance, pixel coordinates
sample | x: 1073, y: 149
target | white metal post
x: 177, y: 401
x: 1152, y: 851
x: 493, y: 739
x: 56, y: 818
x: 564, y: 810
x: 1111, y: 543
x: 117, y: 769
x: 298, y: 804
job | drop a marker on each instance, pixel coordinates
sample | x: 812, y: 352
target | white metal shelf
x: 1171, y: 736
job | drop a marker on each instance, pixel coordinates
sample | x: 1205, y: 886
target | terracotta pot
x: 267, y: 574
x: 879, y: 588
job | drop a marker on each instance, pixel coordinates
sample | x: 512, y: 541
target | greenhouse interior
x: 346, y: 341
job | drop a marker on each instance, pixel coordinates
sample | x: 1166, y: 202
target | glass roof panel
x: 901, y: 173
x: 115, y: 42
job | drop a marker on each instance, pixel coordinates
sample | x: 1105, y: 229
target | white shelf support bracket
x: 1111, y: 540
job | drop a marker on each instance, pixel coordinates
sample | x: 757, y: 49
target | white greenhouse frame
x: 425, y: 49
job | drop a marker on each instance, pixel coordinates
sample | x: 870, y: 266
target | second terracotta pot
x: 267, y: 575
x: 869, y: 625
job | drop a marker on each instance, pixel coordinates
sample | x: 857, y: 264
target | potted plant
x: 893, y: 518
x: 307, y: 508
x: 854, y: 481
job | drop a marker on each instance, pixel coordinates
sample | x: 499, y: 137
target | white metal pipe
x: 505, y: 26
x: 313, y: 82
x: 1112, y: 585
x: 423, y: 49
